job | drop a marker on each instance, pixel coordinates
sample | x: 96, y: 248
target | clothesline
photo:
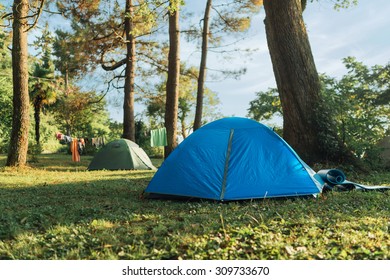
x: 95, y: 141
x: 77, y: 145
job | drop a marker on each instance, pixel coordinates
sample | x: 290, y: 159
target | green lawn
x: 55, y: 209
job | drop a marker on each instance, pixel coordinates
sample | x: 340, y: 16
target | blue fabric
x: 234, y: 159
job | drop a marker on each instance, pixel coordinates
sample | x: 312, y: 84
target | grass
x: 55, y: 209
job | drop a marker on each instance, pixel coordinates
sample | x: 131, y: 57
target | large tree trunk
x: 202, y: 68
x: 306, y: 126
x: 128, y: 103
x: 17, y: 153
x: 172, y: 99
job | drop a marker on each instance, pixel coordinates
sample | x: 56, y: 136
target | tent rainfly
x: 121, y: 154
x: 234, y: 159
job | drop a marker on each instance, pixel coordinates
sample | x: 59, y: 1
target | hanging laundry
x: 81, y: 145
x: 101, y: 141
x: 82, y: 141
x: 158, y: 137
x: 59, y: 136
x: 98, y: 141
x: 74, y: 149
x: 67, y: 139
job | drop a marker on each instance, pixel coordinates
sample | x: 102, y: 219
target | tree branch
x: 154, y: 62
x: 114, y: 66
x: 221, y: 17
x: 98, y: 100
x: 6, y: 15
x: 52, y: 12
x: 37, y: 15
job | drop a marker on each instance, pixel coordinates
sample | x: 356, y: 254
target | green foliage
x: 187, y: 101
x: 5, y: 53
x: 5, y: 109
x: 142, y: 134
x: 44, y: 86
x: 109, y: 220
x: 48, y: 128
x: 359, y: 103
x: 155, y: 106
x: 82, y: 114
x: 174, y: 5
x: 70, y: 58
x: 265, y: 106
x: 344, y: 4
x: 98, y: 38
x: 116, y: 130
x: 5, y: 91
x: 88, y: 117
x: 142, y: 137
x: 233, y: 17
x: 226, y: 20
x: 338, y: 4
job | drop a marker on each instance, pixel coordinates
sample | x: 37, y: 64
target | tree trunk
x: 37, y: 117
x: 306, y: 126
x: 66, y: 80
x: 172, y: 99
x: 128, y: 103
x: 182, y: 119
x: 17, y: 153
x: 202, y: 68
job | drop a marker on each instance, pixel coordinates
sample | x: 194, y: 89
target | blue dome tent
x: 234, y: 159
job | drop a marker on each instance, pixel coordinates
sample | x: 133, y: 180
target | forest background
x: 239, y: 73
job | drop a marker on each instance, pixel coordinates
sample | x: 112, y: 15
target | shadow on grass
x: 40, y: 207
x: 63, y: 162
x: 98, y: 219
x: 103, y: 216
x: 54, y: 162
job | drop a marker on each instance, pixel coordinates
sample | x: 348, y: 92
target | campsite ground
x: 55, y: 209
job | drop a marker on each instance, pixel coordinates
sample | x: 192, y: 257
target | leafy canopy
x: 359, y: 102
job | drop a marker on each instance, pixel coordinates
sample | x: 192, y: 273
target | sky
x: 362, y: 31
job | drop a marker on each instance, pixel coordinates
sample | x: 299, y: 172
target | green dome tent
x: 121, y: 154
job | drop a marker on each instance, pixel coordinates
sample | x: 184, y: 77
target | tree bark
x: 37, y: 117
x: 202, y: 67
x: 128, y: 103
x: 17, y: 153
x: 172, y: 93
x: 306, y: 126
